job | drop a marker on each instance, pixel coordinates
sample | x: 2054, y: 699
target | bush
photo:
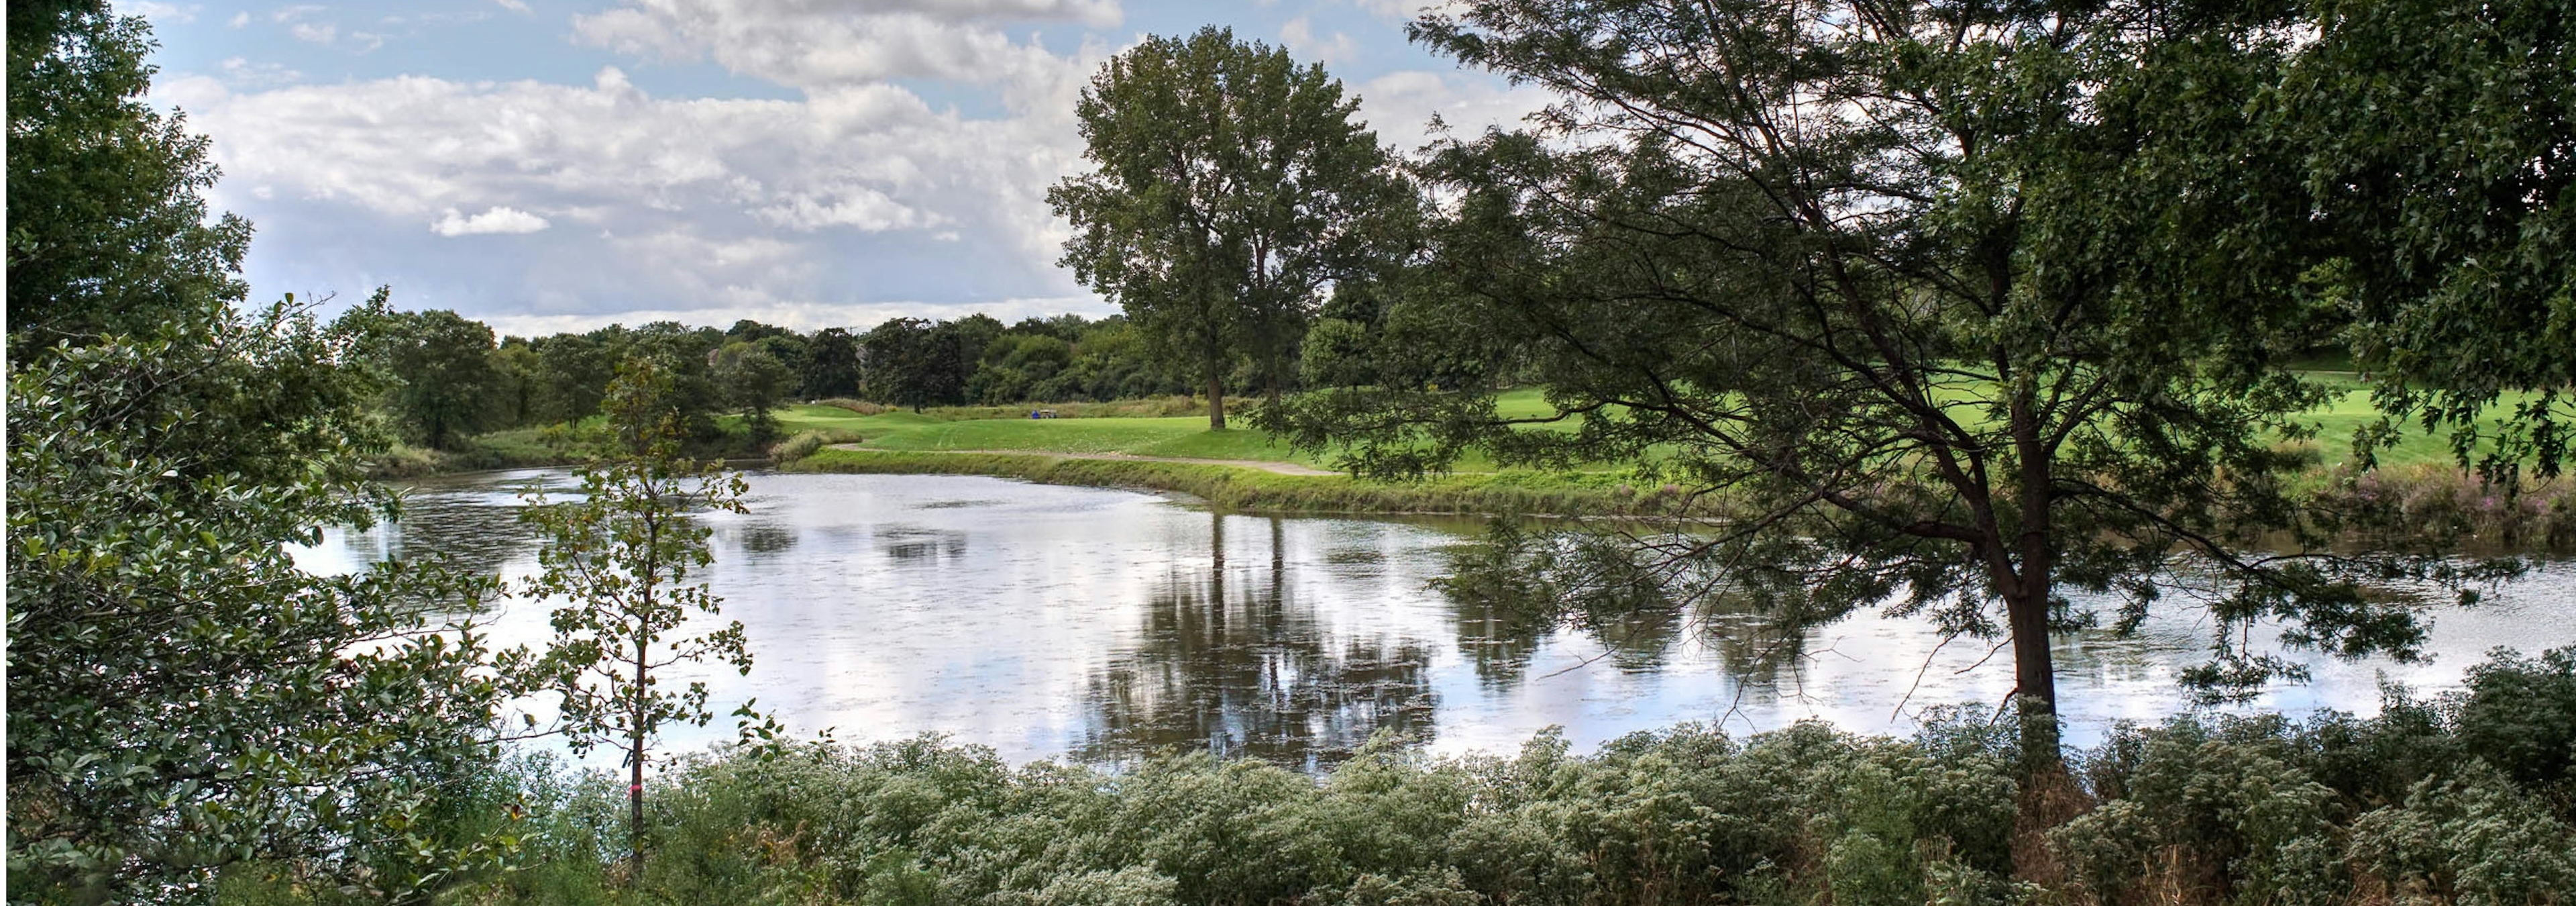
x: 804, y: 443
x: 2201, y: 809
x: 861, y: 407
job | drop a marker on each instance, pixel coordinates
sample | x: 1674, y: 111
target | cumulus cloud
x: 161, y: 12
x: 243, y: 73
x: 1299, y: 35
x: 1400, y: 105
x: 1409, y: 10
x: 516, y: 6
x: 493, y: 220
x: 853, y: 201
x: 814, y: 44
x: 679, y: 201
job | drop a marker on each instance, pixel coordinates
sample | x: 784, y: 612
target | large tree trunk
x: 2026, y: 603
x: 1216, y: 401
x: 2034, y: 671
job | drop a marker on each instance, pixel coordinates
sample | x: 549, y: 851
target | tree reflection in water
x: 1231, y: 661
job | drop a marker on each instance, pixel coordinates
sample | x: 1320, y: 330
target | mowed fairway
x: 1187, y: 437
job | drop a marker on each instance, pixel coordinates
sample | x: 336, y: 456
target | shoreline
x: 1253, y: 489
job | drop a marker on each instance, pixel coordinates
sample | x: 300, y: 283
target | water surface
x: 1105, y: 625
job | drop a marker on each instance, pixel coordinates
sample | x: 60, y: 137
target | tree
x: 107, y: 232
x: 831, y: 365
x: 895, y: 358
x: 517, y: 374
x: 1919, y: 290
x: 1233, y: 185
x: 184, y: 700
x: 620, y: 559
x: 2437, y: 142
x: 574, y: 370
x: 753, y: 380
x: 439, y: 366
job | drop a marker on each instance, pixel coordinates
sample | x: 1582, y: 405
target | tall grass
x: 2442, y: 506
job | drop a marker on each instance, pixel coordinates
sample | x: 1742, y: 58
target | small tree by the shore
x: 619, y: 559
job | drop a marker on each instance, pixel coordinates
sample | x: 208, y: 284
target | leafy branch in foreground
x: 185, y: 699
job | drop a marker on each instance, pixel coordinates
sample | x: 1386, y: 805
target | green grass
x: 1235, y: 488
x: 1188, y: 437
x: 1180, y: 436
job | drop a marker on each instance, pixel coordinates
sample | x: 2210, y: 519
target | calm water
x: 1101, y: 625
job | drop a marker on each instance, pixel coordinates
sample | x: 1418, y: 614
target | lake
x: 1105, y: 625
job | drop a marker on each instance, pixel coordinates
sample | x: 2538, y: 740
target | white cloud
x: 323, y: 33
x: 238, y: 20
x: 243, y: 73
x: 1409, y: 10
x: 813, y: 44
x: 516, y: 6
x: 860, y: 207
x: 160, y: 12
x: 492, y: 220
x: 758, y: 202
x: 1400, y: 105
x: 1299, y: 35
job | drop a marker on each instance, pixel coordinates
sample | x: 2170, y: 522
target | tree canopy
x: 1939, y: 299
x: 185, y: 699
x: 1232, y: 186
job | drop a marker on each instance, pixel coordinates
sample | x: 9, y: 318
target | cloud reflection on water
x: 1108, y: 625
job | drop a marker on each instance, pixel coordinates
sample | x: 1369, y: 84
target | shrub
x: 804, y: 443
x: 2201, y: 809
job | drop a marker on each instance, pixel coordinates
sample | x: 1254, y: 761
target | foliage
x: 107, y: 232
x: 619, y: 559
x: 182, y: 695
x: 1923, y: 290
x: 2434, y: 141
x: 2205, y: 809
x: 184, y: 702
x: 439, y: 367
x: 831, y: 365
x: 755, y: 379
x: 1233, y: 186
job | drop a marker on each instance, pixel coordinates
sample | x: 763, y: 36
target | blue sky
x: 553, y: 166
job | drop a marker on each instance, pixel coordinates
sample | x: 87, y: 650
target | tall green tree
x: 620, y: 560
x: 2437, y: 142
x: 831, y: 365
x: 1232, y: 186
x: 893, y: 355
x: 439, y: 366
x: 186, y: 702
x: 753, y: 379
x: 1920, y: 290
x: 107, y: 231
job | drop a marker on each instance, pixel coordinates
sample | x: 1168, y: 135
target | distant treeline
x: 451, y: 377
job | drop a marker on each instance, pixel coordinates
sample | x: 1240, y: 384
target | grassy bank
x: 1245, y: 489
x: 518, y: 448
x: 2416, y: 497
x: 2463, y: 800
